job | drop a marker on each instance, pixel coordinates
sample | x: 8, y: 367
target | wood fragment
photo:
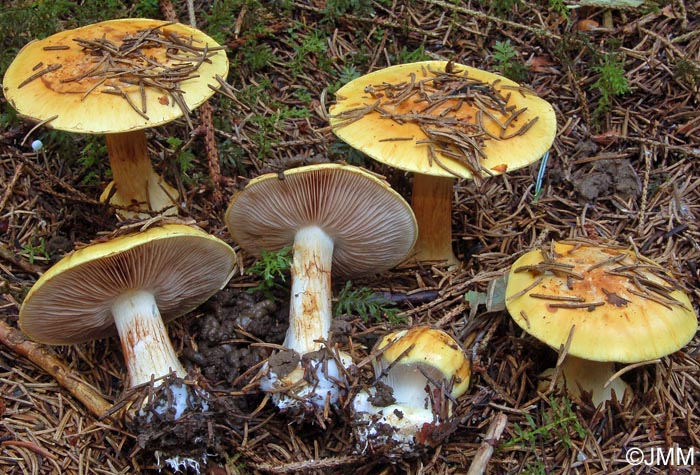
x: 490, y: 441
x: 46, y: 360
x: 38, y: 74
x: 55, y: 47
x: 587, y: 305
x: 445, y: 128
x: 559, y: 298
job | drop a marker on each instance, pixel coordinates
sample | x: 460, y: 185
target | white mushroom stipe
x: 426, y: 371
x: 310, y: 308
x: 310, y: 317
x: 395, y: 424
x: 400, y: 423
x: 149, y: 353
x: 325, y: 376
x: 336, y: 216
x: 147, y: 349
x: 182, y: 397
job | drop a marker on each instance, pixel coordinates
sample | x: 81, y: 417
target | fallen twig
x: 309, y: 465
x: 483, y: 454
x: 46, y: 360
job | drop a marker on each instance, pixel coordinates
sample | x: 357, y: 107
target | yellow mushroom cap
x: 84, y: 99
x: 180, y: 265
x: 432, y: 350
x: 403, y: 143
x: 624, y: 308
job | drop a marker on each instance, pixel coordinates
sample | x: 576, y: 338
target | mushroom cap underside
x: 621, y: 307
x: 71, y: 302
x: 386, y: 114
x: 372, y: 227
x: 103, y: 86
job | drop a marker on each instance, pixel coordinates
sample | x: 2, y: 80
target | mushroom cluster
x: 130, y: 286
x: 442, y: 121
x: 425, y: 370
x: 603, y: 304
x: 339, y: 219
x: 118, y: 78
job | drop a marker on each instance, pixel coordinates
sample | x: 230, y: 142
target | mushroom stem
x: 414, y: 406
x: 426, y: 370
x: 310, y: 308
x: 591, y: 376
x: 147, y: 349
x: 432, y: 206
x: 135, y: 182
x: 409, y: 382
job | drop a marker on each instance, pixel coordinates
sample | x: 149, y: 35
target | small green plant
x: 366, y: 304
x: 216, y: 18
x: 33, y: 250
x: 184, y: 158
x: 507, y: 62
x: 235, y: 466
x: 342, y: 151
x: 558, y: 425
x: 611, y: 81
x: 9, y: 118
x: 256, y: 55
x: 687, y: 72
x: 268, y: 125
x: 336, y: 8
x: 272, y: 269
x: 560, y: 7
x: 534, y: 468
x: 412, y: 56
x: 94, y: 153
x: 347, y: 74
x: 308, y: 48
x: 500, y: 7
x: 147, y: 9
x: 303, y: 95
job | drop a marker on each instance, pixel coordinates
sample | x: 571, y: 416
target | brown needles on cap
x: 439, y: 99
x: 130, y: 64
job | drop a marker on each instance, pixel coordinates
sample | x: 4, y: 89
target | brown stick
x: 205, y: 115
x: 483, y: 454
x: 206, y: 123
x: 310, y: 465
x: 46, y: 360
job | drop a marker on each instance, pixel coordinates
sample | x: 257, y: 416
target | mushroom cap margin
x: 201, y: 264
x: 640, y: 330
x: 430, y: 347
x: 372, y: 227
x: 99, y: 113
x: 379, y: 137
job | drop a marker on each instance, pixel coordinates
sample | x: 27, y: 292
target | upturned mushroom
x: 118, y: 78
x: 426, y: 371
x: 442, y: 120
x: 338, y: 218
x: 129, y: 286
x: 610, y: 305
